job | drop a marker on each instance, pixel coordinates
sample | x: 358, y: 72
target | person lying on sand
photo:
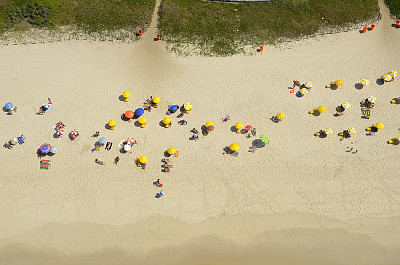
x: 8, y: 145
x: 340, y: 110
x: 322, y: 134
x: 194, y: 137
x: 99, y: 162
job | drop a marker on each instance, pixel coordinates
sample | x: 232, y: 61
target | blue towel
x: 20, y: 140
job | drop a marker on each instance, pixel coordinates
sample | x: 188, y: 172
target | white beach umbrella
x: 352, y: 131
x: 328, y: 131
x: 308, y: 85
x: 187, y: 106
x: 365, y: 82
x: 53, y: 149
x: 372, y: 99
x: 346, y: 105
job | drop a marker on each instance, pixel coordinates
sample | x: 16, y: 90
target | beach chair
x: 44, y: 164
x: 176, y: 153
x: 366, y: 113
x: 59, y: 126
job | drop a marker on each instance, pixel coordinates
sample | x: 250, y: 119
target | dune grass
x: 222, y: 28
x: 394, y: 7
x: 88, y: 15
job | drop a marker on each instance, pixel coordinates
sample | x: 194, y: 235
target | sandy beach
x: 299, y: 200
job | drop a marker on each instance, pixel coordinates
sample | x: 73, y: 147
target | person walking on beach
x: 296, y: 82
x: 116, y: 160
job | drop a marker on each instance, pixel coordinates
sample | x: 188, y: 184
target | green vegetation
x: 88, y: 15
x: 222, y: 28
x: 394, y: 7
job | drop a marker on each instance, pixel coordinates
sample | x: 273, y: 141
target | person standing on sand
x: 116, y: 160
x: 296, y: 82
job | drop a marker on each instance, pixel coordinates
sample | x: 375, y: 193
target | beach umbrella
x: 60, y: 132
x: 174, y: 107
x: 209, y: 123
x: 372, y: 99
x: 112, y: 123
x: 53, y: 149
x: 45, y: 148
x: 280, y: 116
x: 139, y: 112
x: 387, y: 77
x: 171, y: 151
x: 352, y: 131
x: 74, y: 132
x: 187, y: 106
x: 14, y: 141
x: 380, y: 125
x: 365, y: 82
x: 142, y: 120
x: 264, y: 139
x: 143, y: 159
x: 238, y: 126
x: 102, y: 140
x: 127, y: 148
x: 234, y: 147
x: 249, y: 127
x: 393, y: 73
x: 308, y: 85
x: 321, y: 109
x: 166, y: 120
x: 46, y: 105
x: 346, y: 105
x: 339, y: 82
x: 303, y: 91
x: 156, y: 100
x: 328, y: 131
x: 126, y: 94
x: 8, y: 105
x: 129, y: 114
x: 130, y: 141
x: 210, y: 128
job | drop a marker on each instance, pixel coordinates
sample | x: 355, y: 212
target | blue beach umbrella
x: 174, y: 107
x: 8, y: 105
x: 139, y: 112
x: 102, y: 140
x: 45, y: 148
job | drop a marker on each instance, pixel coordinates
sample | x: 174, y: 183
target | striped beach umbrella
x: 346, y: 105
x: 393, y: 73
x: 60, y: 132
x: 372, y: 99
x: 264, y: 139
x: 130, y: 141
x: 14, y: 141
x: 328, y: 131
x: 74, y: 132
x: 303, y: 91
x: 46, y: 105
x: 387, y: 77
x: 308, y: 85
x: 45, y: 148
x: 187, y: 106
x: 365, y: 82
x: 352, y: 131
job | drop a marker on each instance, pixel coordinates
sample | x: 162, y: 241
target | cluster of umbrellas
x: 388, y: 77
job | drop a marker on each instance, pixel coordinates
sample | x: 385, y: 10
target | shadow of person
x: 358, y: 86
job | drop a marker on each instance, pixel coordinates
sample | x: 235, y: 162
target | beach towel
x: 234, y: 154
x: 108, y: 145
x: 121, y: 144
x: 366, y: 113
x: 51, y: 108
x: 20, y: 140
x: 44, y: 164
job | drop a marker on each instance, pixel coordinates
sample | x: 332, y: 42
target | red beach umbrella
x: 129, y: 114
x: 249, y: 127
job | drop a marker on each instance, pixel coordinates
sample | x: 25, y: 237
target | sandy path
x: 297, y: 182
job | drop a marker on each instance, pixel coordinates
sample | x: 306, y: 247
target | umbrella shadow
x: 233, y: 129
x: 4, y: 109
x: 316, y: 113
x: 227, y: 150
x: 258, y: 143
x: 273, y: 119
x: 333, y: 87
x: 380, y: 81
x: 358, y: 86
x: 137, y: 124
x: 55, y: 135
x: 121, y: 98
x: 161, y: 124
x: 158, y: 195
x: 203, y: 129
x: 39, y: 153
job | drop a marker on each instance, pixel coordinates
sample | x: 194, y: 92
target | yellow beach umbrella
x: 166, y: 121
x: 142, y: 120
x: 393, y: 73
x: 143, y: 159
x: 112, y: 124
x: 126, y: 95
x: 339, y: 82
x: 346, y: 105
x: 328, y: 131
x: 234, y: 147
x: 380, y: 125
x: 156, y: 100
x: 321, y: 109
x: 238, y: 126
x: 352, y: 131
x: 365, y: 82
x: 14, y: 141
x: 280, y: 116
x: 372, y: 99
x: 171, y: 151
x: 308, y: 85
x: 209, y: 123
x: 387, y: 77
x: 303, y: 91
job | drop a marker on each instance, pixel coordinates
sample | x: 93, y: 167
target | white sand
x: 296, y: 182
